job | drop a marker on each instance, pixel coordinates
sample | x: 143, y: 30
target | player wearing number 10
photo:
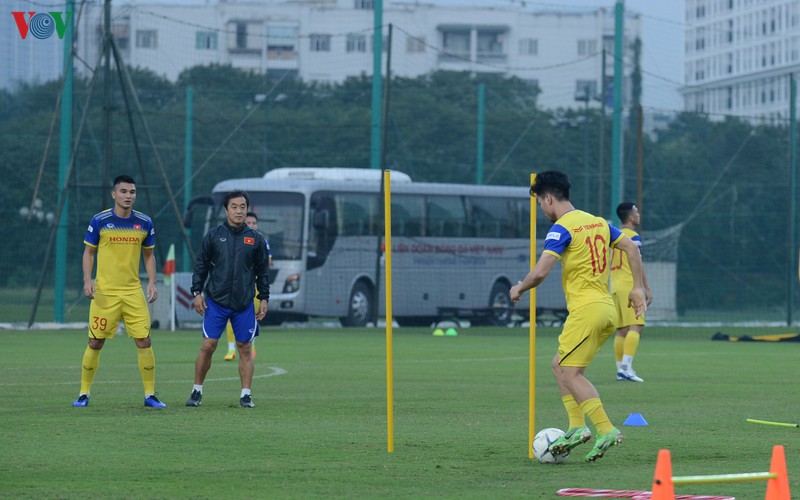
x: 582, y: 243
x: 119, y: 236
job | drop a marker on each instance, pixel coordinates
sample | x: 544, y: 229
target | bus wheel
x: 500, y: 301
x: 359, y: 309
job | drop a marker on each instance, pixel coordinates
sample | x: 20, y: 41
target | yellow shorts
x: 105, y: 312
x: 584, y: 333
x: 626, y: 316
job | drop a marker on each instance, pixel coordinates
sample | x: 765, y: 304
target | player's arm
x: 262, y: 280
x: 636, y: 297
x: 88, y: 265
x: 534, y: 278
x: 150, y: 267
x: 199, y: 275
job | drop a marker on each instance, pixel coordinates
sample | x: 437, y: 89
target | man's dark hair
x: 552, y: 182
x: 624, y: 210
x: 236, y: 194
x: 124, y: 178
x: 253, y: 215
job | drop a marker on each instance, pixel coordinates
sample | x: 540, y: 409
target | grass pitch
x: 320, y: 428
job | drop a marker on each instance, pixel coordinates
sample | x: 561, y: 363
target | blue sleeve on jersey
x: 638, y: 240
x: 557, y: 239
x: 150, y: 239
x: 615, y: 233
x: 93, y: 232
x: 269, y: 252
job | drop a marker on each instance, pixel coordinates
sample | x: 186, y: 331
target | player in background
x: 581, y: 242
x: 119, y: 236
x: 232, y: 260
x: 252, y: 222
x: 629, y: 327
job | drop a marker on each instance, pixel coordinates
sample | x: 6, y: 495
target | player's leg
x: 104, y: 315
x: 591, y: 326
x: 577, y: 433
x: 245, y: 328
x: 622, y: 331
x: 231, y: 355
x: 630, y: 344
x: 136, y: 316
x: 214, y: 321
x: 630, y: 348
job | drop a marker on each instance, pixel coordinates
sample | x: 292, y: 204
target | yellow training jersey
x: 119, y: 244
x: 583, y: 244
x: 621, y: 276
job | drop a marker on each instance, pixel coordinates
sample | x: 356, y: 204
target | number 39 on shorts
x: 99, y: 323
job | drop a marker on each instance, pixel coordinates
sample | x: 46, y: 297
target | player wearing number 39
x: 119, y: 236
x: 582, y: 242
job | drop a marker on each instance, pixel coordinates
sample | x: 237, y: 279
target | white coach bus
x: 456, y: 248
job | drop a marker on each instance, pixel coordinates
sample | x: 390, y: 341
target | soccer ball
x: 542, y: 441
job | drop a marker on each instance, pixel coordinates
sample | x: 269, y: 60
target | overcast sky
x: 662, y: 38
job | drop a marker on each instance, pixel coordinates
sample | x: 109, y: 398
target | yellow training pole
x: 387, y: 228
x: 532, y: 334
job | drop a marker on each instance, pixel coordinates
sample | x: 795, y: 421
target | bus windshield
x: 280, y: 220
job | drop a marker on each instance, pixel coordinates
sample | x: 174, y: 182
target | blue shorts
x: 245, y: 326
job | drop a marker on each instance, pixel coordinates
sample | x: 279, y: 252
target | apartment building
x: 739, y: 58
x: 330, y: 40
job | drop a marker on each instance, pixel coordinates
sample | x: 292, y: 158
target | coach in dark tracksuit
x: 232, y: 257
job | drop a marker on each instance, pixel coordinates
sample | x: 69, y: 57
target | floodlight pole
x: 792, y: 197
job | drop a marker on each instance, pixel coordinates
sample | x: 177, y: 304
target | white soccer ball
x: 542, y: 441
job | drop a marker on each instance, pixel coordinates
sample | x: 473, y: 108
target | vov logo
x: 42, y: 24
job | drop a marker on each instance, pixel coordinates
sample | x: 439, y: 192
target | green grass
x: 320, y: 429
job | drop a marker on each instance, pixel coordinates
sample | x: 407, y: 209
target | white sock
x: 619, y: 365
x: 231, y: 346
x: 198, y: 388
x: 245, y: 392
x: 627, y: 362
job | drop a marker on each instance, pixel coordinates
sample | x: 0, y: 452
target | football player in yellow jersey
x: 582, y: 242
x: 119, y: 236
x: 629, y: 327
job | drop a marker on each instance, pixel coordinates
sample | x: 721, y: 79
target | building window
x: 146, y: 39
x: 587, y: 47
x: 205, y: 40
x: 121, y: 34
x: 529, y: 47
x: 585, y: 90
x: 281, y: 42
x: 320, y: 43
x: 363, y: 4
x: 415, y: 45
x: 241, y: 35
x: 356, y: 42
x: 490, y: 44
x: 456, y: 43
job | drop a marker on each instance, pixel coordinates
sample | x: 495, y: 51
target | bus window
x: 493, y: 217
x: 407, y: 215
x: 322, y: 231
x: 280, y: 219
x: 356, y: 214
x: 447, y: 217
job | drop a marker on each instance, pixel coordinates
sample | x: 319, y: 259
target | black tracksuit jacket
x: 232, y: 259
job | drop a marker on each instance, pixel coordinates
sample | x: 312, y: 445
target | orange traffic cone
x: 778, y: 487
x: 663, y: 489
